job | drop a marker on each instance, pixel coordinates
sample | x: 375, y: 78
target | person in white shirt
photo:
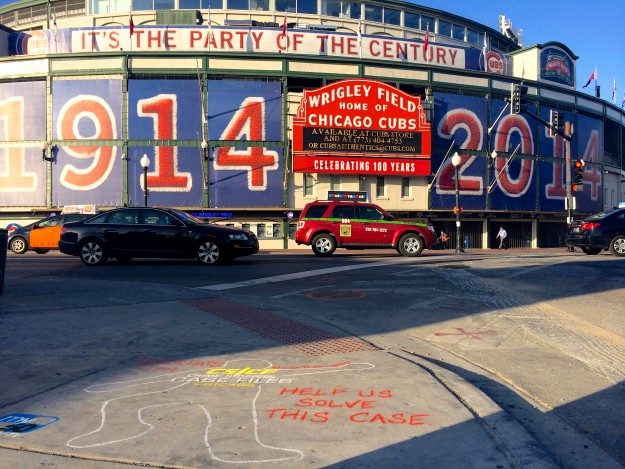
x: 502, y: 235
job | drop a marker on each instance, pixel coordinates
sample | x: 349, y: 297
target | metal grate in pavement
x: 306, y: 339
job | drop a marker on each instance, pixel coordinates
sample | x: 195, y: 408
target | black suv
x: 602, y: 231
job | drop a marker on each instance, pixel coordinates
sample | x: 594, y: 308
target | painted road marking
x: 298, y: 275
x: 532, y: 269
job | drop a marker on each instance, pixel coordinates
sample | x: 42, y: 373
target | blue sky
x: 594, y: 31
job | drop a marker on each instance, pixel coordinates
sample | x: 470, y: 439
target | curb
x: 515, y: 442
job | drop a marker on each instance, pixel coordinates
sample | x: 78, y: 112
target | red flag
x: 131, y: 23
x: 427, y: 42
x: 592, y: 77
x: 284, y: 34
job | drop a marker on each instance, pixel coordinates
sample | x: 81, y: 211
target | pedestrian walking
x: 444, y: 240
x: 502, y: 235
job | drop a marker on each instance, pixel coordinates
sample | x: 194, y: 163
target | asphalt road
x: 541, y: 332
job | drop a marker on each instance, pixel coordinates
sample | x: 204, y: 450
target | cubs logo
x: 35, y: 42
x: 494, y: 63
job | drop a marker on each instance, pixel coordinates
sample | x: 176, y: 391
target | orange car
x: 42, y: 235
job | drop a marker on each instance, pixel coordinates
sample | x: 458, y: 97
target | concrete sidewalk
x: 185, y: 378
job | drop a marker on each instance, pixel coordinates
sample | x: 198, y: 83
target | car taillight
x: 63, y: 230
x: 590, y: 226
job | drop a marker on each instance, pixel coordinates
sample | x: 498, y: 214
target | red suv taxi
x: 326, y: 225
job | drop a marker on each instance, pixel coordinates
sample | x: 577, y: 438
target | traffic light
x: 517, y: 99
x: 557, y: 123
x: 578, y: 175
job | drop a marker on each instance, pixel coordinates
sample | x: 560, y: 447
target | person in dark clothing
x: 444, y: 240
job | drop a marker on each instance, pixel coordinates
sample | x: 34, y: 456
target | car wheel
x: 92, y: 252
x: 411, y: 245
x: 18, y: 245
x: 41, y: 251
x: 591, y: 251
x: 323, y: 244
x: 209, y: 252
x: 617, y: 246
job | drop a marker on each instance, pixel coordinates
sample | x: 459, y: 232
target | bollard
x: 4, y: 236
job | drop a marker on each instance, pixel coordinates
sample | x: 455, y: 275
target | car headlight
x: 238, y: 237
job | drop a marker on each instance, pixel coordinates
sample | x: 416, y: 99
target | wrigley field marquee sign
x: 361, y: 127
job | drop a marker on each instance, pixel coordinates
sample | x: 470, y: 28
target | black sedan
x: 602, y: 231
x: 130, y: 232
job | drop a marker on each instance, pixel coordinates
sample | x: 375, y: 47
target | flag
x: 592, y: 77
x: 427, y: 42
x: 131, y: 24
x: 484, y: 50
x: 284, y: 26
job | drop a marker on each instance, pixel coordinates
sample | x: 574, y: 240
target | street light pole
x: 145, y: 164
x: 456, y: 160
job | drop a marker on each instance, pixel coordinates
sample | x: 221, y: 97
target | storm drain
x: 305, y: 339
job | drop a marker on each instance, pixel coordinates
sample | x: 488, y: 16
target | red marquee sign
x: 361, y: 127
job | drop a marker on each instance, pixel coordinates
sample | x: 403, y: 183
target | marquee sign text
x: 361, y: 127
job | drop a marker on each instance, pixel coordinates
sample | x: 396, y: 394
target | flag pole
x: 210, y: 29
x: 360, y: 37
x: 131, y: 24
x: 427, y: 43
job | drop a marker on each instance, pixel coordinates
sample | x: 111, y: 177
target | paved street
x: 364, y: 359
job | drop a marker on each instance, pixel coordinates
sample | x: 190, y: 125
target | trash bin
x: 4, y: 236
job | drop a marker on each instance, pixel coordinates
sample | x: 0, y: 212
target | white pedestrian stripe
x: 298, y: 275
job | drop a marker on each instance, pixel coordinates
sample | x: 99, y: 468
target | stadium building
x: 248, y: 109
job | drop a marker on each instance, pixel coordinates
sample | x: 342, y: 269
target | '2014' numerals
x: 510, y: 185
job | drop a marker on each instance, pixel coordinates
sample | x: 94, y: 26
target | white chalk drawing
x: 123, y: 416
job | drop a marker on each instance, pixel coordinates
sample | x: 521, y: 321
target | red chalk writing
x: 356, y: 406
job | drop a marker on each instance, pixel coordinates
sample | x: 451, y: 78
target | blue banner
x: 86, y: 110
x: 514, y: 175
x: 22, y: 170
x: 165, y: 110
x: 590, y: 143
x: 460, y: 119
x: 245, y: 176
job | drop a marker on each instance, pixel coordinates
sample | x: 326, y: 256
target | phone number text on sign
x: 361, y: 141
